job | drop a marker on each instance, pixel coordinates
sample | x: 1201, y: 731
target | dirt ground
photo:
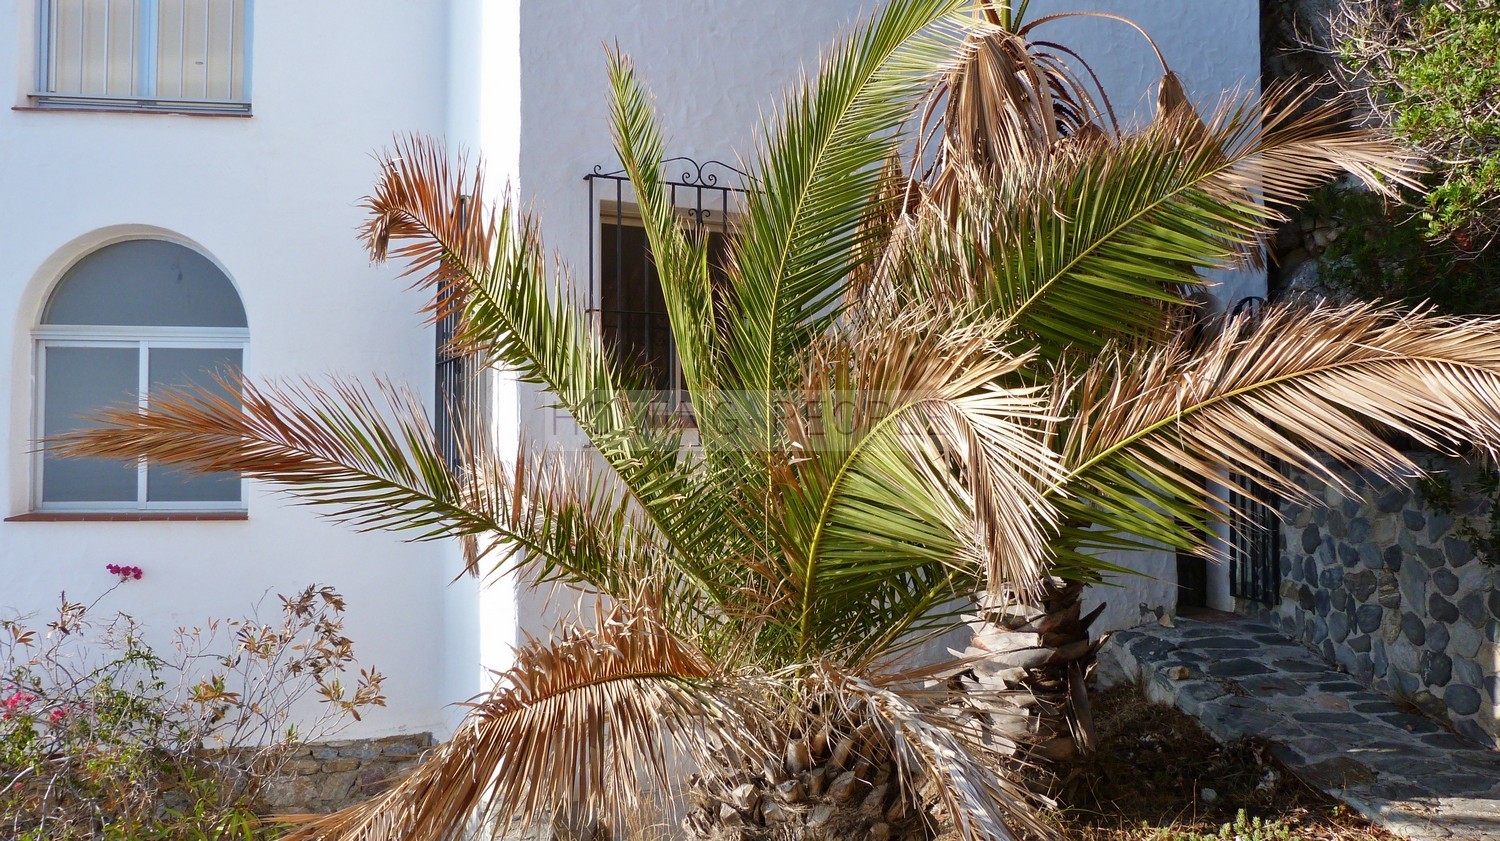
x: 1158, y: 776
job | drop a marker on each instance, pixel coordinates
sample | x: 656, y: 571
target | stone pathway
x: 1243, y: 678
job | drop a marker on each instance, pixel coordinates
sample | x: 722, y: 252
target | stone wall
x: 1392, y: 587
x: 326, y: 776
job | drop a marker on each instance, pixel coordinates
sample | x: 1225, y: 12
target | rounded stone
x: 1327, y: 650
x: 1369, y: 556
x: 1414, y: 520
x: 1492, y: 631
x: 1331, y: 577
x: 1348, y: 555
x: 1317, y: 630
x: 1471, y: 608
x: 1387, y: 590
x: 1492, y: 687
x: 1338, y: 626
x: 1359, y: 530
x: 1368, y: 617
x: 1461, y: 699
x: 1311, y: 539
x: 1323, y: 603
x: 1359, y: 643
x: 1493, y: 599
x: 1305, y: 597
x: 1471, y: 729
x: 1441, y: 609
x: 1361, y: 584
x: 1459, y: 552
x: 1310, y: 569
x: 1431, y: 557
x: 1467, y: 672
x: 1378, y: 658
x: 1437, y: 637
x: 1392, y: 558
x: 1437, y: 668
x: 1413, y: 628
x: 1465, y: 640
x: 1336, y: 524
x: 1363, y: 668
x: 1340, y: 600
x: 1445, y: 581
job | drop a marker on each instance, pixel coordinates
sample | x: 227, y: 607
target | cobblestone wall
x: 326, y: 776
x: 1392, y: 589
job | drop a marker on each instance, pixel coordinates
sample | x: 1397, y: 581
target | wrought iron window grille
x: 1254, y: 533
x: 457, y: 397
x: 624, y: 292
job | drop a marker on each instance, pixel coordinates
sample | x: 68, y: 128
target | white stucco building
x: 180, y: 183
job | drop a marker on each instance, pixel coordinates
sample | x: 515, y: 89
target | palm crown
x: 906, y: 392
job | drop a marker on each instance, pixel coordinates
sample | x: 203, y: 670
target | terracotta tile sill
x: 127, y: 516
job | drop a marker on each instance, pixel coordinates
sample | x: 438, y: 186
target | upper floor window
x: 170, y: 54
x: 625, y: 292
x: 124, y: 323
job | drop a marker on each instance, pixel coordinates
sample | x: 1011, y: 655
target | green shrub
x: 103, y: 736
x: 1430, y: 70
x: 1384, y: 253
x: 1244, y: 828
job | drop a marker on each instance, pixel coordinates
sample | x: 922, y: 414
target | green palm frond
x: 912, y: 467
x: 820, y: 162
x: 1091, y: 245
x: 488, y: 265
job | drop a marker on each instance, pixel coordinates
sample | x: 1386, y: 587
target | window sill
x: 127, y: 516
x: 181, y: 111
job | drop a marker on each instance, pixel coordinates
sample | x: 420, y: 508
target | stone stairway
x: 1243, y: 678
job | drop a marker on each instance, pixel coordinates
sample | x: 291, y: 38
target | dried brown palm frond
x: 1148, y: 426
x: 1014, y: 101
x: 587, y: 726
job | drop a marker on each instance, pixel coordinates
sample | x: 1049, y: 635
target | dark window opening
x: 625, y: 291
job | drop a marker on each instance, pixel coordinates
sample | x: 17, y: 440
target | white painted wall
x: 272, y: 198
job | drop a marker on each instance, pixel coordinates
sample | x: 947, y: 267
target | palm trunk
x: 1041, y: 652
x: 834, y: 783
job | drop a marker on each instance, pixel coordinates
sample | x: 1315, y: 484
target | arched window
x: 126, y: 321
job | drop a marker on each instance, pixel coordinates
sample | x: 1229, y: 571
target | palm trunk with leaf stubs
x: 966, y: 395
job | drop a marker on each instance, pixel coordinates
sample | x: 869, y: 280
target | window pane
x: 200, y: 49
x: 145, y: 283
x: 79, y: 381
x: 177, y: 367
x: 92, y: 47
x: 633, y: 312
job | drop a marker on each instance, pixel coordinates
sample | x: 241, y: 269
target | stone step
x: 1242, y: 678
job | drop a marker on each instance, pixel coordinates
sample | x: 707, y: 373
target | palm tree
x: 1003, y: 399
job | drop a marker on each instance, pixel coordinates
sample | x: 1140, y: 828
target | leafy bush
x: 1430, y: 70
x: 1385, y: 254
x: 104, y: 736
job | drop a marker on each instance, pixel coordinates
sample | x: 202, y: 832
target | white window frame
x: 143, y: 339
x: 147, y: 35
